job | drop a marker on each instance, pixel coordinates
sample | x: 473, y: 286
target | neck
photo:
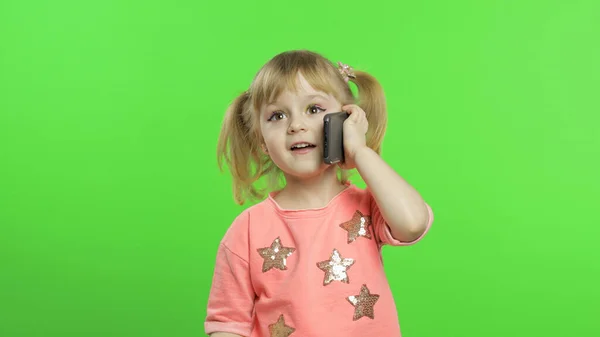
x: 313, y: 192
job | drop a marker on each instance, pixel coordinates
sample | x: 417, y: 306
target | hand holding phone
x: 333, y: 137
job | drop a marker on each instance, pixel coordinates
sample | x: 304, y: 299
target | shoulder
x: 354, y: 199
x: 356, y: 195
x: 239, y: 231
x: 362, y: 199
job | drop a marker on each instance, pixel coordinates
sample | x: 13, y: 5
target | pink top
x: 311, y: 272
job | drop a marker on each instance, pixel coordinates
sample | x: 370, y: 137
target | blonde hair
x: 239, y: 144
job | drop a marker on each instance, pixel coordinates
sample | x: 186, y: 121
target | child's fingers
x: 356, y: 113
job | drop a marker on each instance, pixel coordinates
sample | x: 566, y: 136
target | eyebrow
x: 307, y: 97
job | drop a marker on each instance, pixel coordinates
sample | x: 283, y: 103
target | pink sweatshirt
x: 312, y: 272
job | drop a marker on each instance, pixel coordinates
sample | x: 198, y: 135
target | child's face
x: 297, y: 117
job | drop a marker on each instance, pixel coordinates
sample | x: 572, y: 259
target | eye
x: 276, y: 116
x: 314, y: 109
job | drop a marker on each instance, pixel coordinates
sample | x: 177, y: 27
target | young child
x: 306, y: 260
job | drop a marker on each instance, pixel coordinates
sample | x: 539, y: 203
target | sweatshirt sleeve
x: 231, y: 299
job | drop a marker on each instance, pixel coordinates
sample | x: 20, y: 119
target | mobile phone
x: 333, y: 138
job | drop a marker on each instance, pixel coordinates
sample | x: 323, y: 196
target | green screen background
x: 112, y: 206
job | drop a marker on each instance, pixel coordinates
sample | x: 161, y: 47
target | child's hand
x: 355, y: 130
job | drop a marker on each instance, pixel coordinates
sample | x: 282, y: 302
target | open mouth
x: 302, y: 146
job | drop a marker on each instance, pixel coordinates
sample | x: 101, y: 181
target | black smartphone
x: 333, y: 138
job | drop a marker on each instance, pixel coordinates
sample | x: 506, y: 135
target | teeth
x: 300, y: 146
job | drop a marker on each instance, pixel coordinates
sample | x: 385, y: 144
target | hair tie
x: 346, y: 71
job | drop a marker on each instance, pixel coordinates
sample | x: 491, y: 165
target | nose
x: 297, y: 124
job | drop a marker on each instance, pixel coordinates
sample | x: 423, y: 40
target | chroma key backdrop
x: 112, y: 205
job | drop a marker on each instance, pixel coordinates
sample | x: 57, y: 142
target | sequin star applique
x: 363, y: 303
x: 275, y: 256
x: 336, y: 268
x: 357, y: 226
x: 279, y: 329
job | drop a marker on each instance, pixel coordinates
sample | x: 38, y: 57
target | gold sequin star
x: 335, y: 268
x: 357, y: 226
x: 363, y: 303
x: 279, y: 329
x: 275, y: 256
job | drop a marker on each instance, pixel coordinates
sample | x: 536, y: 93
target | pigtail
x: 239, y: 149
x: 371, y: 99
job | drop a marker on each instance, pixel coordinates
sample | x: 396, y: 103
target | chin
x: 306, y: 172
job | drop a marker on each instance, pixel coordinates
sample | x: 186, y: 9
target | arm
x: 401, y: 205
x: 224, y: 334
x: 231, y: 300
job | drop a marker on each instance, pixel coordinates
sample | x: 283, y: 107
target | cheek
x: 270, y: 133
x: 316, y: 123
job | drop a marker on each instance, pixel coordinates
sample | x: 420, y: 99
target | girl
x: 306, y: 261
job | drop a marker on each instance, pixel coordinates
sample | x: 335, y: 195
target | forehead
x: 271, y: 85
x: 301, y: 90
